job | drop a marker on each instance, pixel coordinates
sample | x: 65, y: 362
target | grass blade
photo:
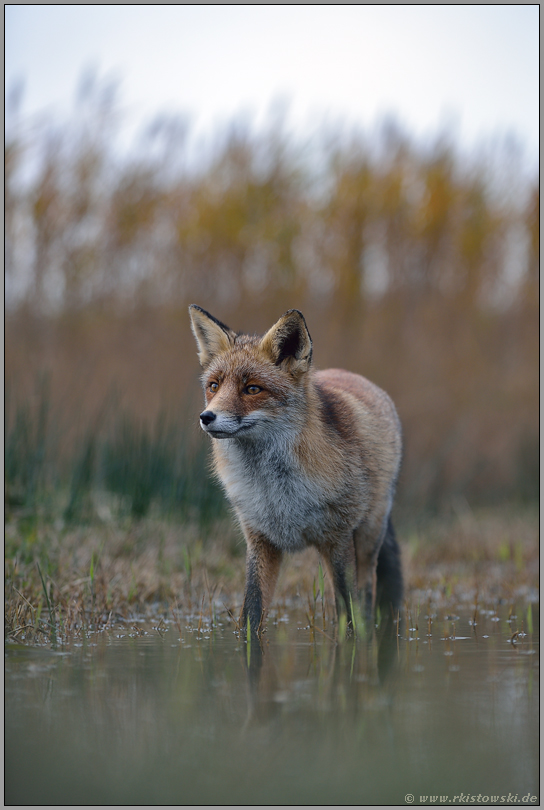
x: 49, y: 608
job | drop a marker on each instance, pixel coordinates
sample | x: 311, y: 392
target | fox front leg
x: 262, y: 568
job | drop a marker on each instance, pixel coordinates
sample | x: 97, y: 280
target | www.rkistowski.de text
x: 474, y: 798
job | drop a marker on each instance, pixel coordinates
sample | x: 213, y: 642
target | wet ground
x: 443, y: 712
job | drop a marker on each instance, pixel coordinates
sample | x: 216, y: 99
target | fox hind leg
x: 368, y: 539
x: 341, y: 564
x: 379, y: 569
x: 389, y: 574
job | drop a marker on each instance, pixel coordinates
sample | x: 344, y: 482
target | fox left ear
x: 289, y: 341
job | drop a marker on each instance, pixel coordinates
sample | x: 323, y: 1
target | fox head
x: 248, y: 380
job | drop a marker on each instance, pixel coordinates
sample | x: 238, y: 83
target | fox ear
x: 211, y: 335
x: 289, y: 341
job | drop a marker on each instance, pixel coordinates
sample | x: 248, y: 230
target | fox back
x: 306, y: 458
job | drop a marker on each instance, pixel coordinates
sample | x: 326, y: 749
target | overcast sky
x: 474, y: 67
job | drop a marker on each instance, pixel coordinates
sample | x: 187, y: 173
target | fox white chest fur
x: 305, y: 457
x: 273, y: 494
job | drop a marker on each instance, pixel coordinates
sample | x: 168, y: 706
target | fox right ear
x: 211, y: 335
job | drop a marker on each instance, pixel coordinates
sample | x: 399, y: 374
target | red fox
x: 307, y: 458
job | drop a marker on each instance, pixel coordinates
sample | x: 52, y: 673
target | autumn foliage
x: 414, y: 264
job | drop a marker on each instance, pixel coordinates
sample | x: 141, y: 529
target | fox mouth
x: 217, y: 433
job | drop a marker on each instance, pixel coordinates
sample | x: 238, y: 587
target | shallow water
x: 134, y: 715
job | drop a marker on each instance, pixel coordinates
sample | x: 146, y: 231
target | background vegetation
x: 414, y: 264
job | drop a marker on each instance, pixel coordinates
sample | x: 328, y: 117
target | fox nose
x: 207, y: 417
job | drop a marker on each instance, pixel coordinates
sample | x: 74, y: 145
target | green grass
x: 142, y: 464
x: 28, y: 440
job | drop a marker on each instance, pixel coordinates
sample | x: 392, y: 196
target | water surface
x: 137, y: 714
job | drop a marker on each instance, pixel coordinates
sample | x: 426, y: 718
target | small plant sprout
x: 530, y: 619
x: 187, y: 564
x: 321, y: 580
x: 352, y: 662
x: 174, y: 611
x: 475, y: 615
x: 357, y: 618
x: 237, y: 622
x: 342, y: 626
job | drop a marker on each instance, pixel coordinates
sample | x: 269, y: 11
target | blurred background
x: 373, y: 166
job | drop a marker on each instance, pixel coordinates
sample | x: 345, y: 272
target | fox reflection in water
x: 344, y: 667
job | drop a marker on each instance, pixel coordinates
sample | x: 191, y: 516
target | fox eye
x: 214, y: 387
x: 253, y: 389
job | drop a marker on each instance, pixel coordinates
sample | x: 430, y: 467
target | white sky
x: 474, y: 67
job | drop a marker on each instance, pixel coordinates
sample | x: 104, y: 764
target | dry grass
x: 63, y: 582
x: 490, y: 554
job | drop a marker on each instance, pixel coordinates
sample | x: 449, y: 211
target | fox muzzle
x: 219, y: 425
